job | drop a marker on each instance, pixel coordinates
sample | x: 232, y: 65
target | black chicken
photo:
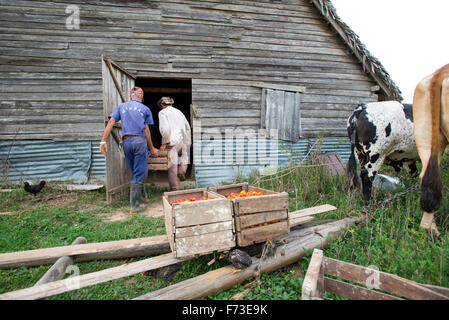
x: 34, y: 188
x: 238, y: 258
x: 166, y: 273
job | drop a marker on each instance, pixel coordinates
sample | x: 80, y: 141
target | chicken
x: 34, y: 188
x: 166, y: 273
x: 238, y: 258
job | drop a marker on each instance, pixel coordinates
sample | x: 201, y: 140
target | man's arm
x: 153, y: 150
x: 107, y: 131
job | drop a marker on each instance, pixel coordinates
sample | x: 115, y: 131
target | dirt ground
x: 155, y: 210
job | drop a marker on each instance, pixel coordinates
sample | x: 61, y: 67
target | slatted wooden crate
x: 159, y: 163
x: 257, y: 218
x: 200, y: 227
x: 375, y: 284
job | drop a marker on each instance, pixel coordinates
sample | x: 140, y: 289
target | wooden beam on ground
x: 305, y: 215
x: 78, y: 282
x: 353, y: 292
x: 313, y: 284
x: 384, y: 281
x: 87, y: 252
x: 296, y: 244
x: 57, y: 271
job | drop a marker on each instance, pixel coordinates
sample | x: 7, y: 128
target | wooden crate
x: 376, y: 285
x: 159, y: 163
x: 201, y: 227
x: 260, y: 218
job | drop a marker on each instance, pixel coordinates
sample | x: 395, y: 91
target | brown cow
x: 431, y: 114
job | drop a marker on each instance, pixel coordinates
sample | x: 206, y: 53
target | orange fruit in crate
x: 182, y: 200
x: 243, y: 194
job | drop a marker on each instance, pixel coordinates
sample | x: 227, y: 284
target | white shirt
x: 174, y: 127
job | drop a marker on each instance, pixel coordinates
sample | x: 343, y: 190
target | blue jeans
x: 136, y: 155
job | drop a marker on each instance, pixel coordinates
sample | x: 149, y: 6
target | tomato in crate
x: 259, y: 214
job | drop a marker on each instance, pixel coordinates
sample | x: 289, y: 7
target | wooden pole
x: 57, y: 271
x: 224, y: 278
x: 87, y: 252
x: 78, y: 282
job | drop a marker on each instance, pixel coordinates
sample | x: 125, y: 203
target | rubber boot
x: 135, y: 198
x: 144, y: 197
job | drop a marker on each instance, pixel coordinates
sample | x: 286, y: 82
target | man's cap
x: 167, y: 101
x: 137, y: 90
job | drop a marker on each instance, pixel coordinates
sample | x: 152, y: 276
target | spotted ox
x: 431, y: 100
x: 380, y: 132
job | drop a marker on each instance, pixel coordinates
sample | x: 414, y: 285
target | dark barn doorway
x: 178, y: 89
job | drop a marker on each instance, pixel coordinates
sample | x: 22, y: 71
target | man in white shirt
x: 175, y: 132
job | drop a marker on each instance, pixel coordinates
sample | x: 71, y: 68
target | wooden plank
x: 203, y: 229
x: 226, y: 189
x: 58, y: 270
x: 353, y: 292
x: 158, y: 166
x: 158, y: 160
x: 300, y: 89
x: 254, y: 235
x: 202, y: 212
x: 245, y: 221
x: 74, y: 283
x: 86, y: 252
x: 386, y: 282
x: 310, y: 211
x: 298, y: 242
x: 262, y: 203
x: 313, y: 284
x: 441, y: 290
x: 300, y: 221
x: 263, y: 109
x: 169, y: 223
x: 204, y: 243
x: 189, y: 193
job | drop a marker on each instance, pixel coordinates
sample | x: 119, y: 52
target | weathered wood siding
x: 51, y: 79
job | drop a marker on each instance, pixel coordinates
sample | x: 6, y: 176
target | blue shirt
x: 134, y: 116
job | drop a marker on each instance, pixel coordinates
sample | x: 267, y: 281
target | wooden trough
x: 379, y: 285
x: 257, y: 219
x: 200, y: 227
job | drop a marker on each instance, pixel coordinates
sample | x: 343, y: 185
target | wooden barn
x: 290, y: 65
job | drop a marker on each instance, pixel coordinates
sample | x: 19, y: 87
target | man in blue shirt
x: 135, y: 118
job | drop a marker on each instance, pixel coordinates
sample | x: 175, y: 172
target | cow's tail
x: 431, y: 186
x: 351, y: 167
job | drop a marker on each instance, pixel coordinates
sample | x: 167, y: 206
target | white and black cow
x: 380, y: 132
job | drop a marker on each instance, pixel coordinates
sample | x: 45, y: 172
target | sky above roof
x: 407, y: 36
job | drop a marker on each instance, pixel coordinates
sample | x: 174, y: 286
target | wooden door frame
x: 118, y: 175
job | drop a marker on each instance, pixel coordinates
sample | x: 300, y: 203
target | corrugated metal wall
x: 209, y: 171
x: 82, y: 161
x: 78, y: 161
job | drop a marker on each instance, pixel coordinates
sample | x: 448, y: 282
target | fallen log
x: 78, y: 282
x: 57, y: 271
x: 224, y: 278
x: 87, y: 252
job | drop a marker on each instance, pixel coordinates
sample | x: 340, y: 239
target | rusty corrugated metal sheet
x: 210, y: 172
x: 51, y: 160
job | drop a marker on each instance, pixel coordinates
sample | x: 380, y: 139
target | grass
x: 392, y: 240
